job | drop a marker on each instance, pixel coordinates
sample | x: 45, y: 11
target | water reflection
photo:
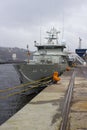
x: 9, y: 106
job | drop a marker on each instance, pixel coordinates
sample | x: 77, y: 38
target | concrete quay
x: 44, y: 111
x: 78, y: 110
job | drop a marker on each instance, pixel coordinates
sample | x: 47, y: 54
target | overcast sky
x: 22, y: 20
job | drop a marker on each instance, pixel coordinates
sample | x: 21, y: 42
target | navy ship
x: 48, y: 58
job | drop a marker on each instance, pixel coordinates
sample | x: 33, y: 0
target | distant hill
x: 7, y: 54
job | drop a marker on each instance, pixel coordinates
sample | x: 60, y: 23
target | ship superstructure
x: 48, y: 58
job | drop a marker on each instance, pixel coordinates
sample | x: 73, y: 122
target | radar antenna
x: 52, y: 35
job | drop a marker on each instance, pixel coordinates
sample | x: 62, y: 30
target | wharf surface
x: 44, y: 112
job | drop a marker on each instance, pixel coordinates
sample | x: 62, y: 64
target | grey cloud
x: 20, y: 19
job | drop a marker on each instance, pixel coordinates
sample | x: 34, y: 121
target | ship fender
x: 56, y: 77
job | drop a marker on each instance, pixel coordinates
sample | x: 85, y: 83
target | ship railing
x: 78, y: 58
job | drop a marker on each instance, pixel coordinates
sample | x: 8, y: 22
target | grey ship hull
x: 32, y: 72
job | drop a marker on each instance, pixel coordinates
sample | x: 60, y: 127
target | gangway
x: 77, y: 58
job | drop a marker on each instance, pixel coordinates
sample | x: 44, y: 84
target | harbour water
x: 10, y: 105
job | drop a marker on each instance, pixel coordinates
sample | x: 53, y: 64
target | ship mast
x: 28, y: 53
x: 52, y: 36
x: 80, y: 40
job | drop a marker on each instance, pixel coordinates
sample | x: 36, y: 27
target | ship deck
x: 45, y: 111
